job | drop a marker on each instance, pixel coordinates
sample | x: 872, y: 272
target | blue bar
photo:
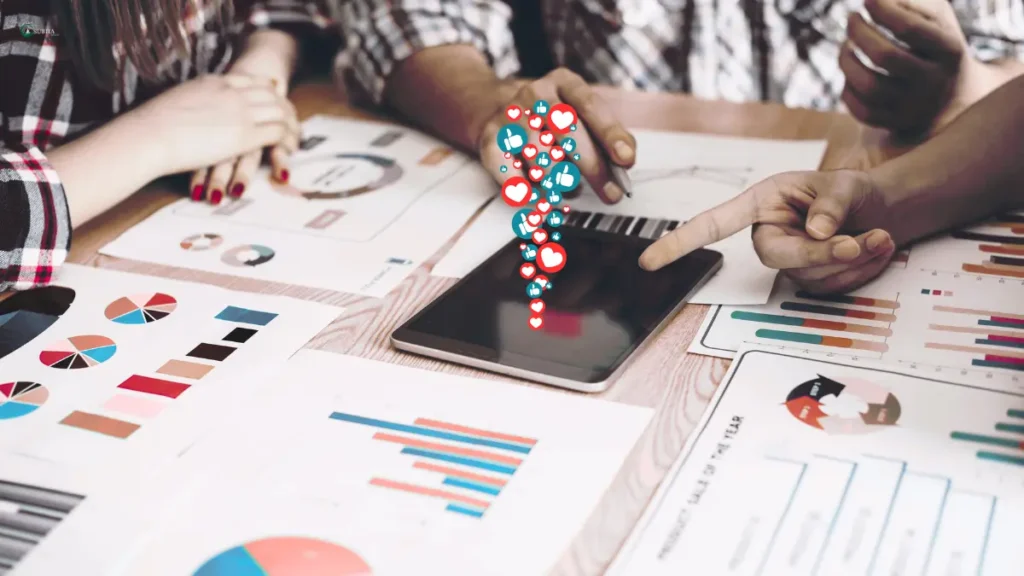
x: 429, y: 432
x: 459, y: 460
x: 999, y: 343
x: 994, y: 364
x: 245, y: 316
x: 1015, y: 413
x: 1002, y: 458
x: 999, y: 324
x: 1015, y: 428
x: 464, y: 510
x: 470, y: 485
x: 988, y: 532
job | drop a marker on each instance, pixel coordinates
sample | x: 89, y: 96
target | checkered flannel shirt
x: 44, y: 103
x: 637, y: 44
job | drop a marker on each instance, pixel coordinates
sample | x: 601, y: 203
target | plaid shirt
x: 642, y: 44
x: 43, y: 103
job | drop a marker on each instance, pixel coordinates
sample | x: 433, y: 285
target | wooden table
x: 664, y: 377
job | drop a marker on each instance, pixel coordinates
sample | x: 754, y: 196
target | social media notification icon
x: 568, y: 144
x: 567, y: 176
x: 525, y: 222
x: 511, y: 138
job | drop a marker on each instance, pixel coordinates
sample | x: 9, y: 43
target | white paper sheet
x: 323, y: 455
x: 676, y: 177
x: 953, y: 325
x: 167, y: 380
x: 822, y: 466
x: 365, y: 205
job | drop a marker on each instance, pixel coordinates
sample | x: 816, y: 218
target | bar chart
x: 995, y: 447
x: 473, y: 465
x: 991, y: 249
x: 27, y: 515
x: 984, y: 338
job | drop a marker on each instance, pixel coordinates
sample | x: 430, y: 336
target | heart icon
x: 557, y: 153
x: 515, y: 191
x: 536, y: 322
x: 542, y: 281
x: 513, y: 112
x: 527, y: 270
x: 546, y: 138
x: 537, y: 306
x: 534, y: 219
x: 562, y: 117
x: 536, y: 174
x: 540, y: 237
x: 517, y: 163
x: 543, y: 207
x: 552, y: 258
x: 565, y: 209
x: 530, y: 151
x: 536, y: 122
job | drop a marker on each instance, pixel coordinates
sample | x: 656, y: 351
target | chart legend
x: 474, y: 465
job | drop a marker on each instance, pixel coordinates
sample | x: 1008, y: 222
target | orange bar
x: 994, y: 270
x: 412, y: 488
x: 1002, y: 249
x: 977, y: 312
x: 499, y: 482
x: 846, y: 327
x: 854, y: 344
x: 474, y: 431
x: 968, y: 330
x: 973, y: 350
x: 447, y: 449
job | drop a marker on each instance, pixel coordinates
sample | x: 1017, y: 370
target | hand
x: 930, y: 79
x: 797, y: 218
x: 214, y: 118
x: 597, y: 127
x: 269, y: 55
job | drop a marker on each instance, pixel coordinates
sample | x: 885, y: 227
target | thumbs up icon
x: 512, y: 141
x: 564, y: 179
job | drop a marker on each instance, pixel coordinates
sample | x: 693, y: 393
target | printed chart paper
x: 947, y: 324
x: 816, y: 466
x: 676, y: 177
x: 111, y: 373
x: 365, y: 205
x: 392, y: 470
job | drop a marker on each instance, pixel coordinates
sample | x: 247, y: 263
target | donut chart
x: 201, y: 242
x: 338, y: 176
x: 19, y: 399
x: 141, y: 308
x: 247, y: 255
x: 78, y: 352
x: 286, y: 556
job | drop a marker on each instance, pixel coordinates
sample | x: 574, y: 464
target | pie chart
x: 286, y: 556
x: 78, y: 352
x: 247, y: 255
x: 28, y: 314
x: 19, y: 399
x: 140, y: 308
x: 200, y: 242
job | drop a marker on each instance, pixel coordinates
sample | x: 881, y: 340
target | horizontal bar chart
x: 1000, y: 316
x: 1002, y: 249
x: 991, y: 238
x: 972, y: 330
x: 430, y: 432
x: 989, y: 440
x: 433, y: 492
x: 852, y: 300
x: 994, y: 270
x: 27, y: 515
x: 1002, y: 458
x: 833, y: 311
x: 819, y: 340
x: 245, y: 316
x: 810, y: 323
x: 453, y: 450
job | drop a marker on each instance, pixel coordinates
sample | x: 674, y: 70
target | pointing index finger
x: 706, y: 228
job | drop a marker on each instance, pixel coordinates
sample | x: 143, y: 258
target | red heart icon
x: 561, y: 118
x: 551, y: 258
x: 529, y: 151
x: 522, y: 246
x: 536, y: 122
x: 542, y: 281
x: 565, y: 209
x: 516, y: 191
x: 534, y: 219
x: 543, y: 207
x: 546, y: 138
x: 527, y: 270
x: 513, y: 112
x: 557, y: 153
x: 517, y: 163
x: 540, y: 237
x: 536, y: 322
x: 537, y: 306
x: 536, y: 174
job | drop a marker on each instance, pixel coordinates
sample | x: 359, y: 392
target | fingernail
x: 822, y: 225
x: 284, y: 175
x: 216, y: 197
x: 623, y: 151
x: 878, y: 241
x: 847, y: 249
x: 237, y: 190
x: 612, y: 192
x: 197, y: 193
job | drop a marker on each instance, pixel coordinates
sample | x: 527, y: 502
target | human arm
x: 834, y: 231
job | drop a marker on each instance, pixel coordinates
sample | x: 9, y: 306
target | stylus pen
x: 621, y: 177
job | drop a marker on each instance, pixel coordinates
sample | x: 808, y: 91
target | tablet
x: 599, y: 309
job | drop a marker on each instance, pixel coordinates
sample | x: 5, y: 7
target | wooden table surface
x: 663, y: 376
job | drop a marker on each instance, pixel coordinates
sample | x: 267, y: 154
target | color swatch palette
x: 19, y: 399
x: 476, y: 464
x: 78, y: 352
x: 143, y: 397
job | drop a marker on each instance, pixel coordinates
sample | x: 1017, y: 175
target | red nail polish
x: 237, y: 190
x: 284, y: 175
x: 197, y: 193
x: 216, y: 197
